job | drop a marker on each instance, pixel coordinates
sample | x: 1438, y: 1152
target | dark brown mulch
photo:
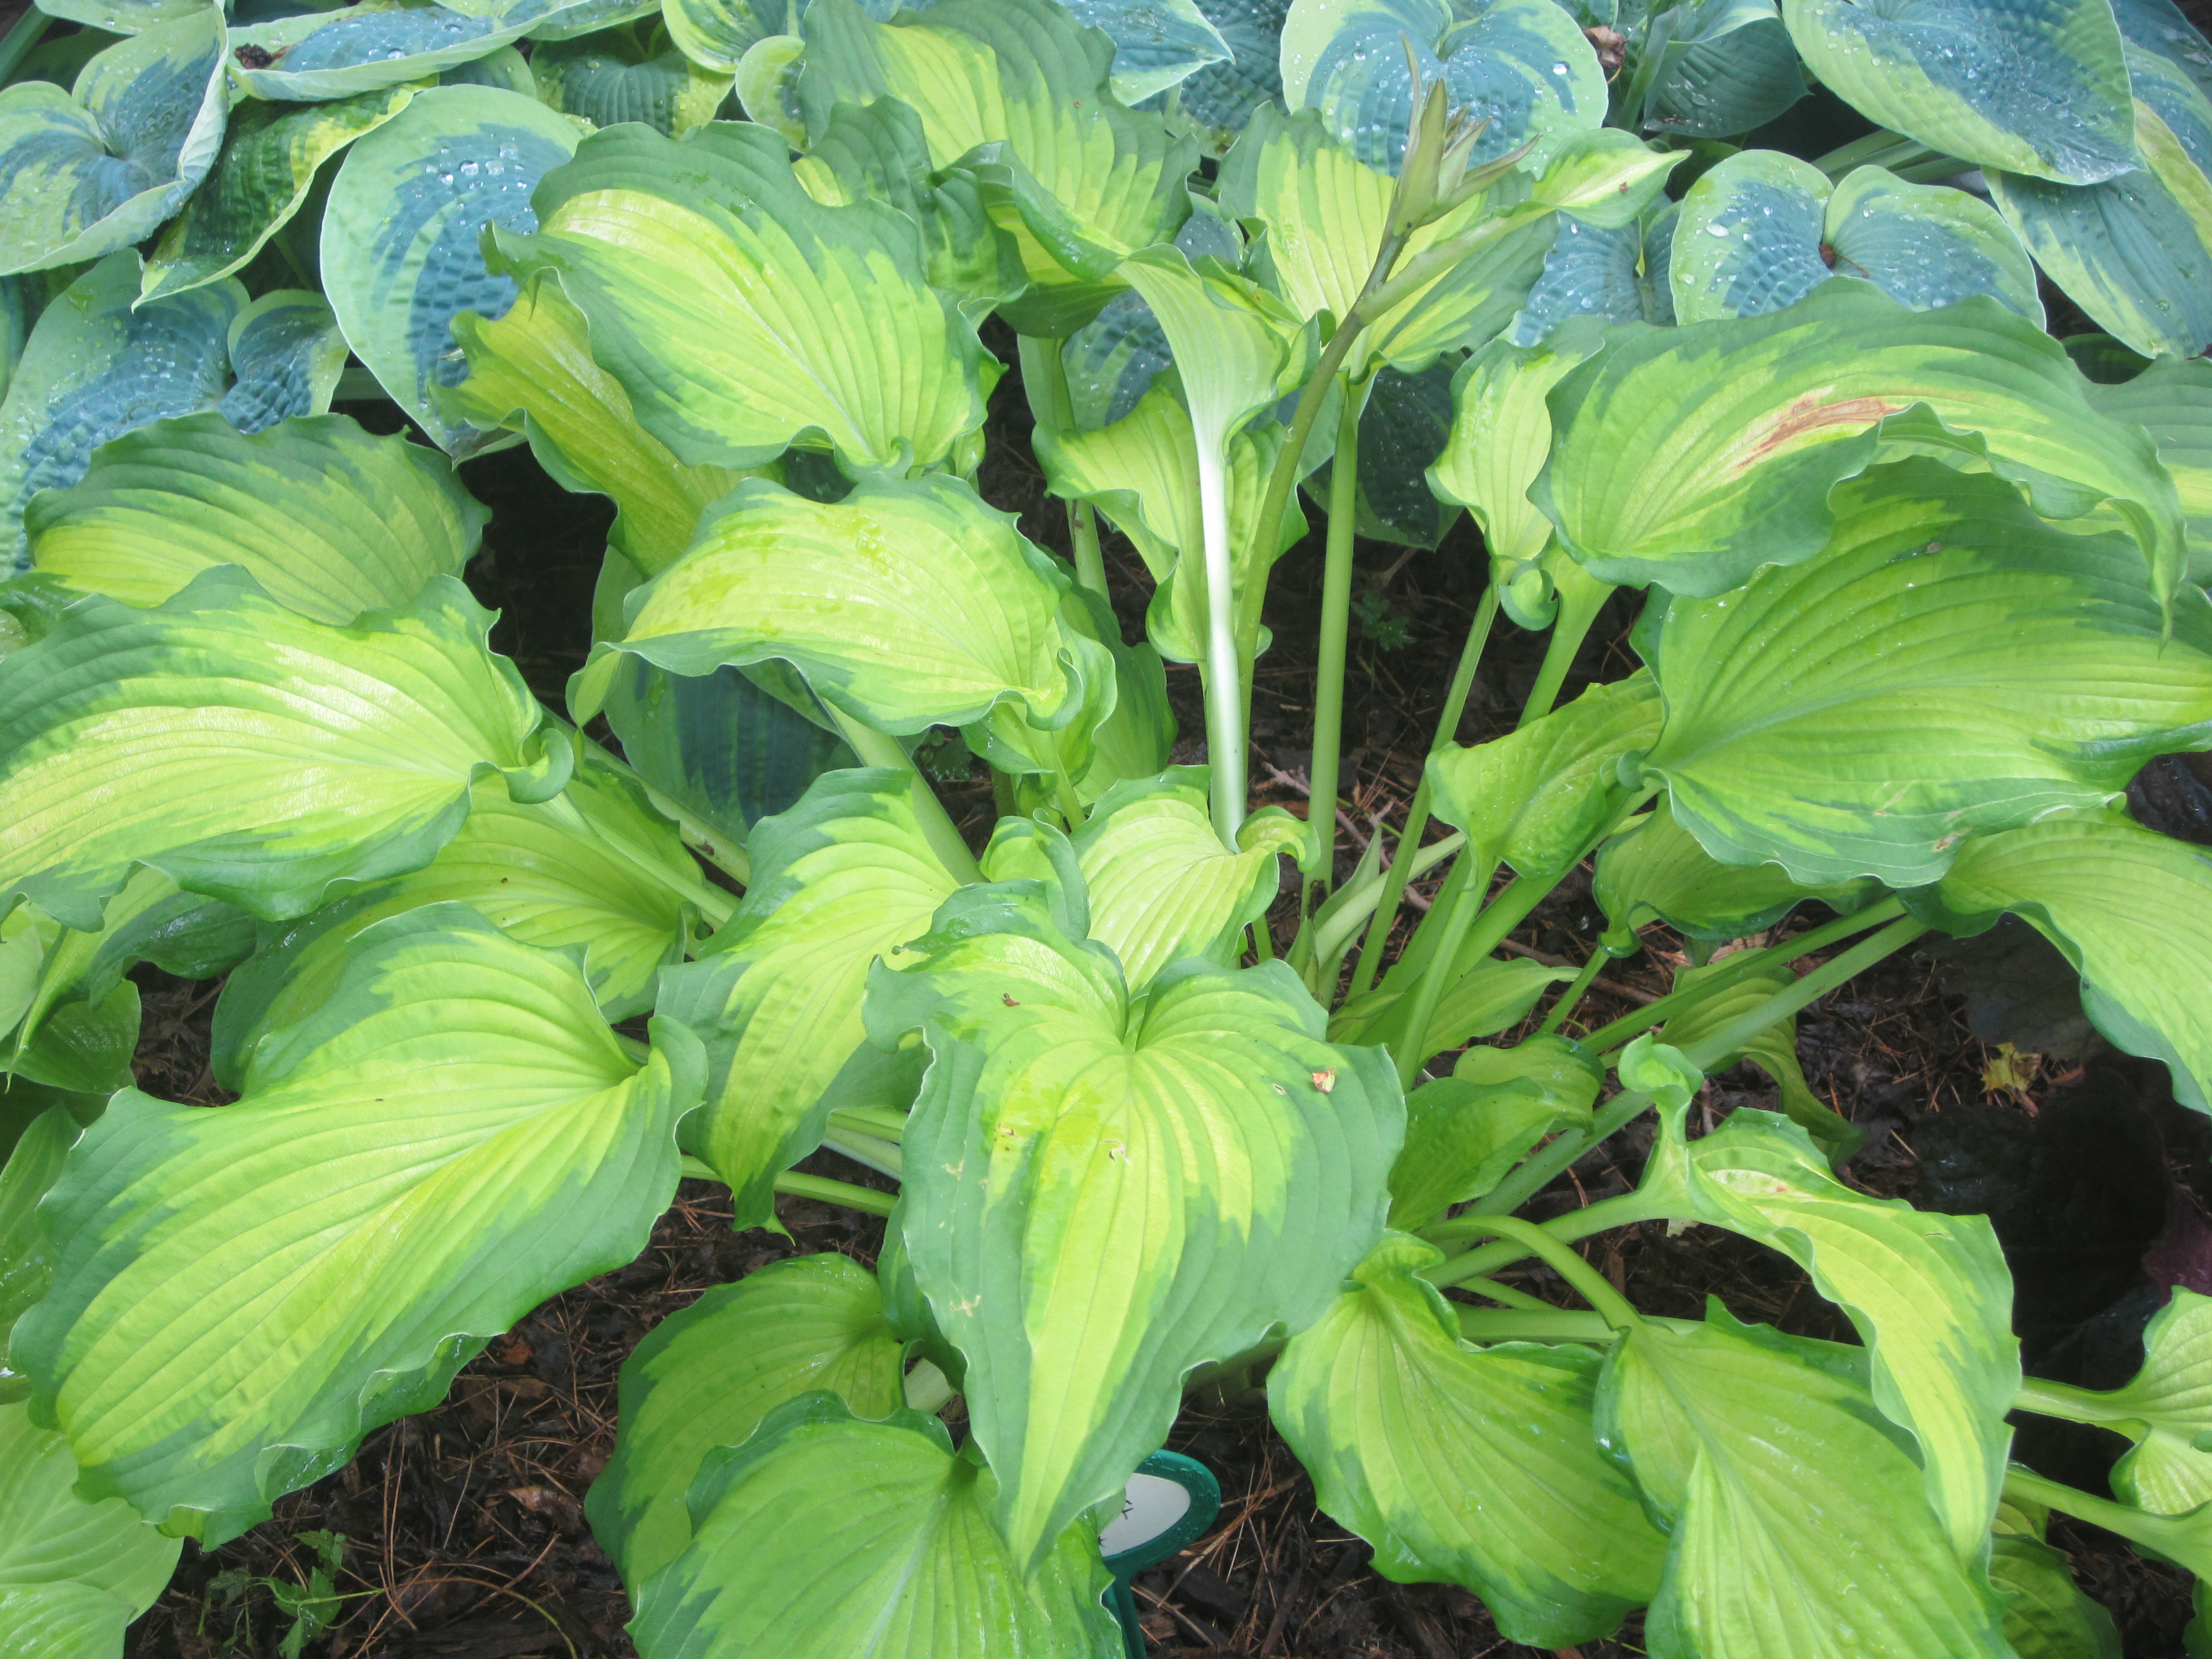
x: 463, y: 1526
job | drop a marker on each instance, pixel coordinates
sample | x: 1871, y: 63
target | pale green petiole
x: 1224, y: 689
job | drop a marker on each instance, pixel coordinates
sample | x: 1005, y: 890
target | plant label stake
x: 1170, y: 1500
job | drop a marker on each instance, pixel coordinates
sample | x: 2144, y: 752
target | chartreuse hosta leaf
x: 1100, y: 1196
x: 843, y: 878
x: 286, y: 352
x: 1711, y: 69
x: 1521, y: 65
x: 1618, y: 273
x: 1477, y: 1466
x: 2134, y: 251
x: 795, y: 317
x: 328, y: 520
x: 98, y: 365
x: 1763, y: 229
x: 402, y: 235
x: 1929, y: 1295
x: 1655, y: 870
x: 260, y: 179
x: 1950, y: 665
x: 1689, y: 457
x: 1774, y: 1050
x: 1796, y: 1519
x: 2039, y: 89
x: 84, y: 173
x: 2127, y: 907
x: 2166, y: 1410
x: 2173, y: 401
x: 433, y: 1136
x: 825, y: 1536
x: 1162, y: 885
x: 73, y: 1574
x: 630, y: 73
x: 1464, y: 1133
x: 1324, y: 213
x: 1538, y: 797
x: 44, y: 1125
x: 2046, y: 1616
x: 269, y: 755
x: 708, y: 1374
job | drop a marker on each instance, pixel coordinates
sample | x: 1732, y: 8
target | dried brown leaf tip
x: 1611, y: 48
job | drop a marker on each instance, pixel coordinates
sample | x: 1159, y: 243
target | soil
x: 463, y: 1537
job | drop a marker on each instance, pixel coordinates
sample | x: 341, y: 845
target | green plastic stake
x: 1170, y: 1500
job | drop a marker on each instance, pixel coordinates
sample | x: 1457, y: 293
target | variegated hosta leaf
x: 1220, y: 98
x: 1537, y: 797
x: 1712, y: 69
x: 628, y: 75
x: 907, y: 605
x: 286, y: 355
x: 1689, y: 456
x: 1929, y: 1295
x: 1163, y: 887
x: 1501, y: 434
x: 1655, y: 870
x: 73, y: 1574
x: 1796, y: 1522
x: 2046, y: 1616
x: 1112, y: 361
x: 823, y: 1536
x: 330, y: 521
x: 506, y: 68
x: 2173, y: 400
x: 402, y: 235
x: 1774, y: 1050
x: 269, y: 756
x: 716, y: 34
x: 1618, y: 273
x: 1822, y: 719
x: 1762, y: 230
x: 1080, y: 179
x: 1464, y: 1133
x: 1142, y: 473
x: 2134, y: 251
x: 2167, y: 1409
x: 121, y: 16
x: 708, y: 1374
x: 1521, y: 65
x: 2035, y: 87
x: 83, y: 174
x: 1479, y: 1467
x: 432, y: 1139
x: 1324, y: 212
x: 1157, y: 43
x: 843, y: 878
x: 98, y: 365
x: 2129, y: 908
x: 43, y: 1124
x: 794, y: 316
x: 260, y: 181
x: 1099, y: 1197
x: 2161, y: 29
x: 375, y: 44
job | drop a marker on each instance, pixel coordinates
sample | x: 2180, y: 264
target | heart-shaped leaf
x: 1501, y: 432
x: 716, y: 34
x: 1619, y: 274
x: 286, y: 352
x: 1465, y: 1132
x: 433, y: 1137
x: 1222, y: 97
x: 1711, y: 69
x: 625, y: 74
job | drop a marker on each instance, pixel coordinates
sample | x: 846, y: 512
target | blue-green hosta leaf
x: 795, y: 317
x: 1222, y: 97
x: 1080, y: 179
x: 506, y: 68
x: 1689, y: 457
x: 84, y: 173
x: 269, y: 756
x: 97, y: 366
x: 2127, y: 907
x: 1324, y: 212
x: 1795, y: 1520
x: 618, y: 75
x: 1619, y: 274
x: 1711, y: 69
x: 381, y: 43
x: 708, y: 1374
x: 842, y: 879
x: 1655, y: 870
x: 1822, y: 719
x: 1523, y: 66
x: 22, y: 298
x: 1501, y: 434
x: 2035, y: 87
x: 824, y: 1537
x: 2134, y: 251
x: 581, y: 17
x: 1157, y: 43
x: 1099, y: 1197
x: 1762, y: 230
x: 1402, y: 430
x: 1537, y: 797
x: 286, y: 354
x: 1163, y: 887
x: 2159, y: 27
x: 258, y: 182
x: 534, y: 365
x: 2173, y: 401
x: 2046, y: 1616
x: 2175, y: 96
x: 432, y: 1139
x: 121, y: 16
x: 330, y: 521
x: 1464, y: 1133
x: 73, y: 1574
x: 1112, y: 361
x: 402, y: 235
x: 1477, y: 1466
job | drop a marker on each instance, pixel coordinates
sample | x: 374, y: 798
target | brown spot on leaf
x: 1326, y: 1081
x: 1809, y: 414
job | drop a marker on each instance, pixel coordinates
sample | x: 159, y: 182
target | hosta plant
x: 1917, y: 587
